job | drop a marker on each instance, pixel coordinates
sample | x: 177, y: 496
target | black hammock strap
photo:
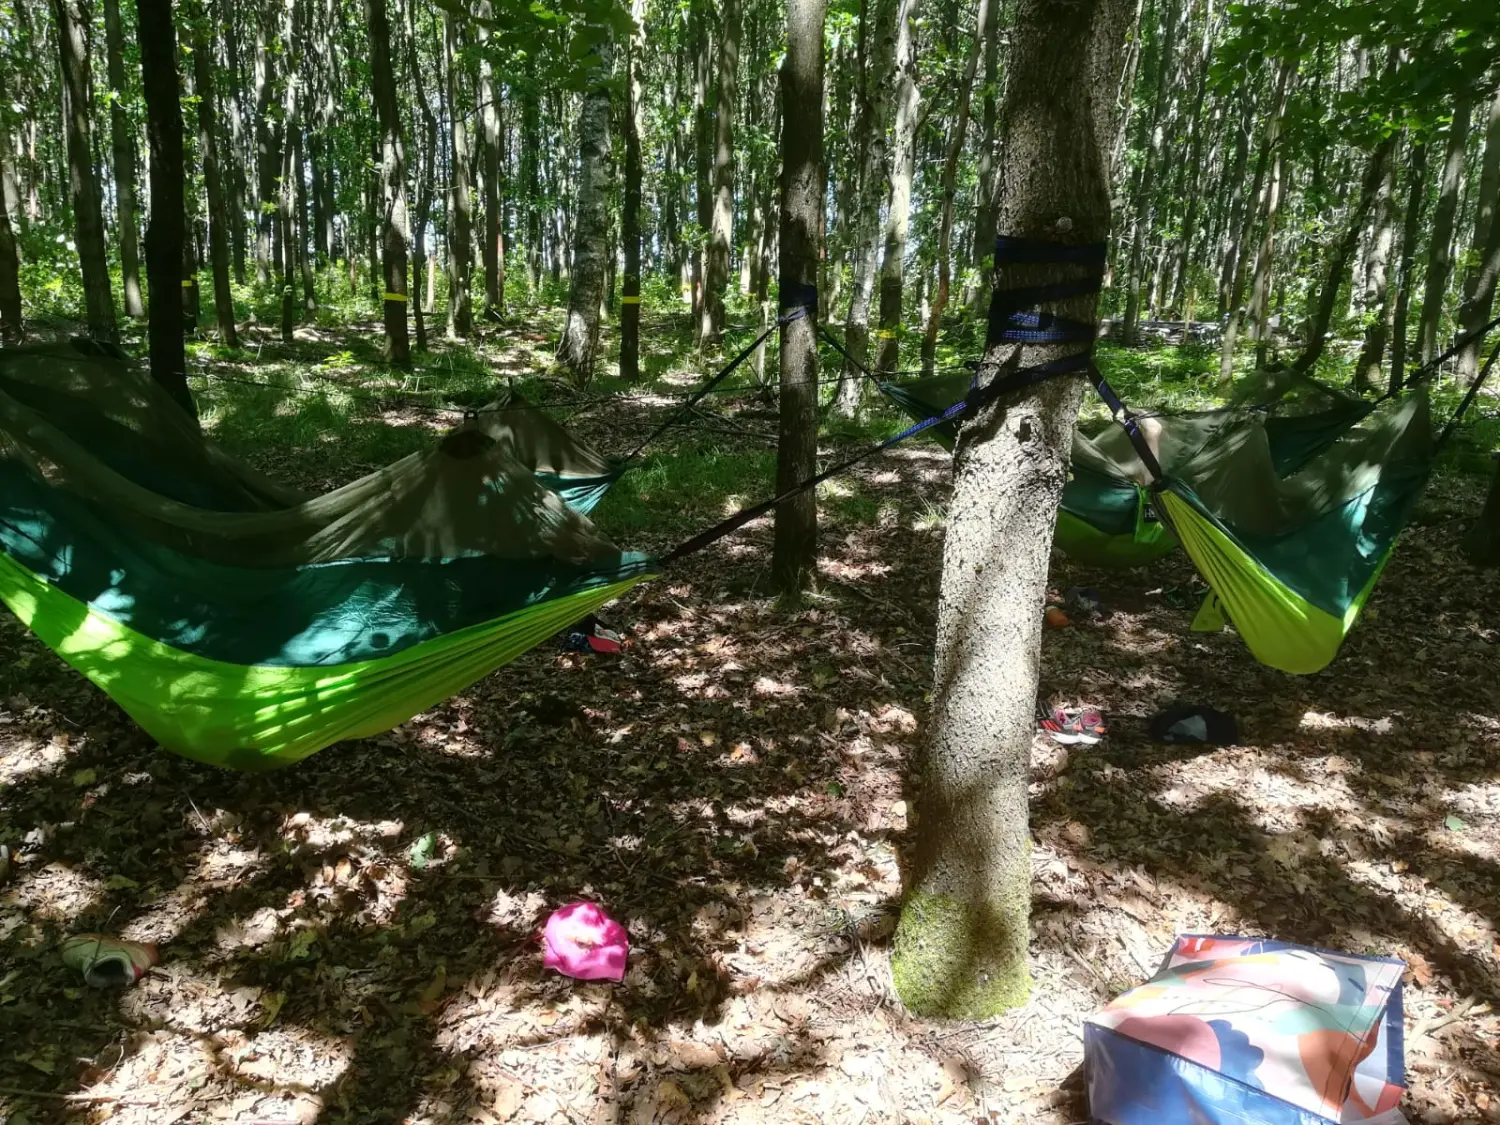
x: 1468, y: 399
x: 1430, y: 367
x: 1010, y: 321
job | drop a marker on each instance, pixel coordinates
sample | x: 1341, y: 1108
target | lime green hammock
x: 245, y: 625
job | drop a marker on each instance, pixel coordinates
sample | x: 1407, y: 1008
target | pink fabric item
x: 582, y: 941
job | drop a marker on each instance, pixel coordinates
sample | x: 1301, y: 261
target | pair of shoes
x: 1073, y: 726
x: 590, y: 635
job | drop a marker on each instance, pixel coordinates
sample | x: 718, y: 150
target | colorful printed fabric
x: 1253, y: 1031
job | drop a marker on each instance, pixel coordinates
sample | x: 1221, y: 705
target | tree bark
x: 531, y: 184
x: 804, y: 181
x: 579, y: 349
x: 1378, y: 281
x: 960, y: 946
x: 286, y: 204
x: 72, y: 25
x: 1338, y: 264
x: 267, y: 153
x: 986, y: 169
x: 950, y: 188
x: 1411, y: 225
x: 1483, y: 541
x: 461, y: 237
x: 12, y: 314
x: 1193, y: 171
x: 721, y: 232
x: 122, y: 147
x: 213, y: 180
x: 392, y: 198
x: 877, y: 60
x: 698, y: 18
x: 226, y: 15
x: 157, y: 37
x: 898, y: 214
x: 489, y: 143
x: 1440, y: 241
x: 428, y: 177
x: 1145, y: 196
x: 630, y: 216
x: 1479, y: 283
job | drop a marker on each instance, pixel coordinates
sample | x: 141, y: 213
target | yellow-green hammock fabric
x: 245, y: 625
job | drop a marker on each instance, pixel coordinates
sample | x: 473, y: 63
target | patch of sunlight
x: 1318, y: 720
x: 732, y: 503
x: 55, y: 892
x: 325, y: 832
x: 835, y: 488
x: 22, y: 758
x: 767, y: 686
x: 260, y: 928
x: 521, y: 913
x: 222, y: 868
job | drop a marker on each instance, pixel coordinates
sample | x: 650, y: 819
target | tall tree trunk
x: 579, y: 349
x: 489, y: 142
x: 1145, y: 197
x: 12, y: 315
x: 1479, y: 283
x: 630, y: 216
x: 721, y: 232
x: 1483, y: 540
x: 950, y: 188
x: 461, y: 238
x: 1440, y: 242
x: 1411, y: 226
x: 804, y: 181
x: 303, y: 225
x: 986, y: 168
x: 1260, y: 284
x: 213, y: 180
x: 392, y: 197
x: 698, y: 17
x: 898, y: 214
x: 286, y: 204
x: 531, y: 184
x: 157, y: 37
x: 1338, y: 263
x: 1239, y: 204
x: 428, y: 177
x: 1378, y: 281
x: 877, y: 60
x: 83, y: 186
x: 267, y: 153
x: 960, y: 946
x: 226, y: 15
x: 1194, y: 172
x: 122, y: 146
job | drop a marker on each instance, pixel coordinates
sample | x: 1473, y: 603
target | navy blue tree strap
x: 1039, y: 251
x: 803, y: 297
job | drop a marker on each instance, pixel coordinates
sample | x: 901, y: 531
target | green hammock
x: 245, y: 625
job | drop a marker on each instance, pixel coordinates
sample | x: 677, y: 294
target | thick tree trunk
x: 698, y: 17
x: 72, y: 28
x: 461, y: 237
x: 157, y: 37
x: 877, y: 55
x: 1483, y: 541
x: 12, y: 315
x: 960, y: 947
x: 392, y: 197
x: 122, y: 147
x: 1338, y: 263
x: 489, y: 143
x: 804, y: 181
x: 267, y: 153
x: 898, y: 214
x: 1377, y: 295
x: 1411, y: 225
x: 579, y: 349
x: 950, y: 187
x: 1479, y: 282
x: 721, y: 232
x: 1440, y: 242
x: 213, y: 179
x: 630, y: 216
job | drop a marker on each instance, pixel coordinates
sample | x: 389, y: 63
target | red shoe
x: 1074, y: 727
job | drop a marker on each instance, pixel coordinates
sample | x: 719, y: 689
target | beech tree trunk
x: 12, y: 314
x: 122, y: 148
x: 877, y: 53
x: 898, y: 214
x: 157, y: 37
x: 213, y: 178
x: 489, y: 142
x: 392, y: 197
x: 461, y: 236
x: 721, y: 232
x: 286, y: 204
x: 83, y: 186
x: 950, y: 188
x: 579, y: 350
x: 960, y: 946
x: 1479, y: 282
x: 1440, y: 240
x: 702, y: 165
x: 630, y: 216
x: 267, y: 154
x: 1416, y: 172
x: 1378, y: 276
x: 804, y: 181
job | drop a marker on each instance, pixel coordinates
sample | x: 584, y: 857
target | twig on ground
x: 51, y: 1095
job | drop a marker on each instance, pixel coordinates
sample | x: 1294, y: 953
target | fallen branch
x: 118, y: 1099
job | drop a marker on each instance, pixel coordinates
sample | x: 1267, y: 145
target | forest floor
x: 354, y: 939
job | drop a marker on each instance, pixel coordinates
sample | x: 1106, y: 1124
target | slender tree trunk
x: 986, y: 168
x: 1440, y: 242
x: 73, y: 52
x: 1378, y: 281
x: 1265, y: 259
x: 392, y: 198
x: 531, y: 184
x: 1338, y: 264
x: 122, y: 145
x: 461, y: 237
x: 1239, y: 203
x: 950, y: 188
x: 489, y: 143
x: 579, y: 349
x: 721, y: 232
x: 286, y: 225
x: 428, y: 179
x: 960, y: 946
x: 1479, y: 283
x: 1124, y: 101
x: 1411, y: 225
x: 157, y: 37
x: 1483, y: 541
x: 804, y: 181
x: 1145, y: 197
x: 698, y: 17
x: 1194, y: 172
x: 218, y: 217
x: 877, y: 60
x: 630, y: 217
x: 267, y: 154
x: 898, y: 215
x: 12, y: 314
x: 303, y: 226
x: 226, y: 15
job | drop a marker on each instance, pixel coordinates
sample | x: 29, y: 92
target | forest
x: 916, y: 513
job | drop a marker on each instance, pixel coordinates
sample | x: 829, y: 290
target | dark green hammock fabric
x: 247, y: 625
